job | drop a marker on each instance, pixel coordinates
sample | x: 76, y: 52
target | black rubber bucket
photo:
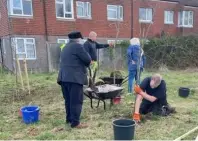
x: 184, y: 92
x: 124, y: 129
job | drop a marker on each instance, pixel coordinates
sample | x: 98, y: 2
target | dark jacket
x: 74, y: 61
x: 92, y: 46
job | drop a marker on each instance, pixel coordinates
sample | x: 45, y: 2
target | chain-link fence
x: 107, y: 58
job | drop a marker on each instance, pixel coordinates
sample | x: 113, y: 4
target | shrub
x: 179, y: 52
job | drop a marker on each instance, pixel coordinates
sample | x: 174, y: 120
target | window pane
x: 89, y: 9
x: 68, y: 5
x: 59, y: 10
x: 120, y: 12
x: 149, y: 14
x: 171, y: 16
x: 85, y: 9
x: 186, y: 18
x: 21, y: 56
x: 30, y: 51
x: 27, y: 7
x: 142, y: 14
x: 29, y: 40
x: 17, y: 4
x: 59, y: 0
x: 17, y: 11
x: 68, y: 15
x: 191, y: 18
x: 79, y: 11
x: 20, y: 46
x: 112, y: 14
x: 180, y: 18
x: 110, y: 7
x: 62, y: 41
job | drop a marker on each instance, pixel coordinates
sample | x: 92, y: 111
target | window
x: 63, y: 41
x: 114, y: 12
x: 20, y: 7
x: 185, y: 18
x: 113, y: 41
x: 83, y: 9
x: 64, y: 9
x: 145, y: 15
x: 168, y: 17
x: 25, y: 48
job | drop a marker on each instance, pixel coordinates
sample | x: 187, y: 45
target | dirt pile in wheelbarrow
x: 106, y: 88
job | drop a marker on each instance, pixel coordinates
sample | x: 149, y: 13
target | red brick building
x: 26, y: 26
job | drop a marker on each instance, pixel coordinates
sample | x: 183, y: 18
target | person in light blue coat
x: 133, y: 55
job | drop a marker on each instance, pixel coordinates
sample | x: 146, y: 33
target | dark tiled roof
x: 185, y: 2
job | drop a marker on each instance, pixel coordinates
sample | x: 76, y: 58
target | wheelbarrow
x: 102, y: 93
x: 118, y: 81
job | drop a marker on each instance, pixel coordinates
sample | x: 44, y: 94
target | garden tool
x: 138, y: 77
x: 92, y: 80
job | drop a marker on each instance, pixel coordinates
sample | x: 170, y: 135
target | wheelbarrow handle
x: 124, y: 80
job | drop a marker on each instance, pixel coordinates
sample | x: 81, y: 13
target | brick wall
x: 4, y: 28
x: 98, y: 23
x: 30, y: 25
x: 155, y: 29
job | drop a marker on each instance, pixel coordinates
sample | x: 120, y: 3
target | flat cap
x: 75, y: 35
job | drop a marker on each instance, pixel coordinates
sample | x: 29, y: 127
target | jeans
x: 132, y: 76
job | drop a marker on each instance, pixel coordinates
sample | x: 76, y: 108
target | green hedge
x: 174, y: 52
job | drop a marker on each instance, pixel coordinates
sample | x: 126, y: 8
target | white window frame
x: 113, y: 41
x: 117, y: 7
x: 167, y: 17
x: 25, y: 43
x: 183, y: 20
x: 146, y: 20
x: 66, y: 41
x: 88, y: 16
x: 65, y: 12
x: 10, y: 9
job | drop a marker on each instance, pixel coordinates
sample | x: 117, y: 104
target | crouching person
x: 151, y: 97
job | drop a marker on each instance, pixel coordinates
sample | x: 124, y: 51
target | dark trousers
x: 155, y: 108
x: 73, y: 95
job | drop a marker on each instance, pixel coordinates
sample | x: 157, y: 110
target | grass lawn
x: 46, y: 93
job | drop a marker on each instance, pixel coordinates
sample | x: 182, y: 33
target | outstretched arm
x: 99, y: 46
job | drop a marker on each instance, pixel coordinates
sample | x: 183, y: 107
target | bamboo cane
x: 19, y: 67
x: 196, y: 138
x: 186, y: 134
x: 26, y: 73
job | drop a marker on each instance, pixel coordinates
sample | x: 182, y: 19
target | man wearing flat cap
x: 72, y: 76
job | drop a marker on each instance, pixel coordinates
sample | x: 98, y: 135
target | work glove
x: 136, y: 117
x: 137, y: 89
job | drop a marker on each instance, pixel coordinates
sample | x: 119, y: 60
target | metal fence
x: 107, y: 60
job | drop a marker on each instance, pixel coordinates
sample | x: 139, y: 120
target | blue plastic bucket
x: 30, y: 114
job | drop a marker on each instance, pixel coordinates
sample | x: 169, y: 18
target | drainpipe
x: 45, y: 19
x: 1, y: 50
x: 131, y: 18
x: 46, y: 34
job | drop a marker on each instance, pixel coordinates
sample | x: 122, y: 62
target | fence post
x: 49, y: 57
